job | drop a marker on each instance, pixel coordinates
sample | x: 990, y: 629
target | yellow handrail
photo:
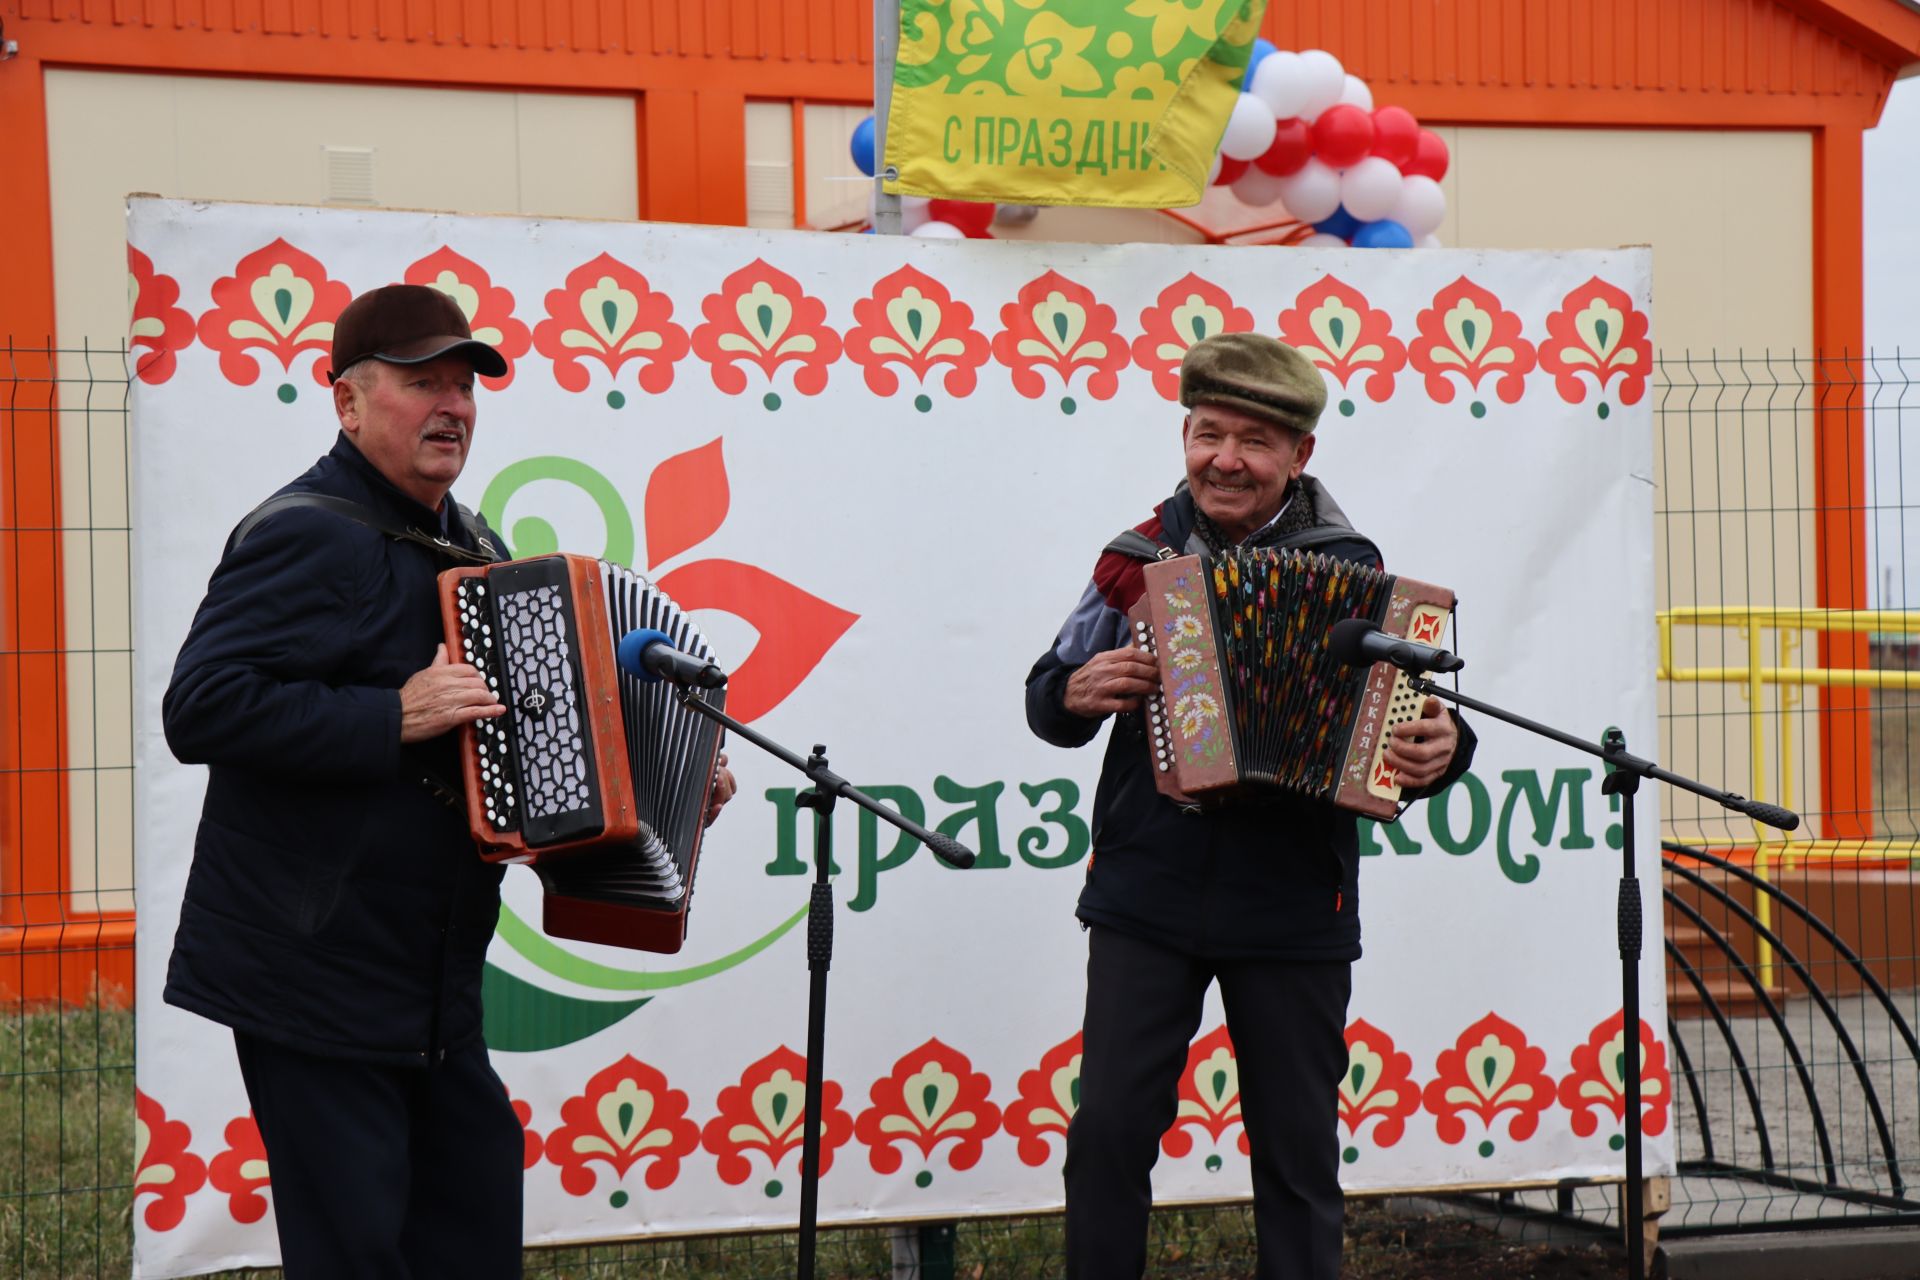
x: 1787, y: 622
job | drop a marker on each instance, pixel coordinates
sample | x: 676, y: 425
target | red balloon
x: 1292, y: 148
x: 970, y: 216
x: 1429, y: 157
x: 1396, y: 135
x: 1342, y: 135
x: 1229, y: 170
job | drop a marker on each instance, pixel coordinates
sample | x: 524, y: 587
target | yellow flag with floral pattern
x: 1089, y: 102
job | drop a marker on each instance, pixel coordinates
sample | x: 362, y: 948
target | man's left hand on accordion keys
x: 1421, y: 749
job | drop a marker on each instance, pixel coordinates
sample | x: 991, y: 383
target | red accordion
x: 1251, y: 697
x: 597, y: 780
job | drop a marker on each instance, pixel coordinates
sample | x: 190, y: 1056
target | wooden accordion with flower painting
x: 1250, y: 696
x: 596, y: 779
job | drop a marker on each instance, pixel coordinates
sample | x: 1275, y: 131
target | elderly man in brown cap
x: 1259, y: 895
x: 336, y: 915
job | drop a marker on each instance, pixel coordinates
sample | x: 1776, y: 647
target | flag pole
x: 886, y: 46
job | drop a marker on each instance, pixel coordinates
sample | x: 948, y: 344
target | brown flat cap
x: 407, y: 324
x: 1255, y: 374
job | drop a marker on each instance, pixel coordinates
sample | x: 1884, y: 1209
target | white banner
x: 879, y: 471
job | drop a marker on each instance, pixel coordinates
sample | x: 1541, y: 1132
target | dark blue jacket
x: 335, y: 905
x: 1274, y: 877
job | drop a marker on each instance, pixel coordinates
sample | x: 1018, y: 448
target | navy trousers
x: 388, y: 1173
x: 1288, y: 1022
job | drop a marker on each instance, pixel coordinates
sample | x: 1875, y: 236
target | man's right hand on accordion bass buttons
x: 444, y: 695
x: 1112, y: 681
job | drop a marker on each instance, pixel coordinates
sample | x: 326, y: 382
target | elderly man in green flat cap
x: 1259, y: 894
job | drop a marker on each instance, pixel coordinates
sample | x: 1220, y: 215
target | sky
x: 1893, y: 334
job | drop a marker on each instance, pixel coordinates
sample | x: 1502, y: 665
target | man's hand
x: 1113, y: 681
x: 442, y: 696
x: 1420, y: 750
x: 723, y: 788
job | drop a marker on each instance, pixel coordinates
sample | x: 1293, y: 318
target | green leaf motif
x: 523, y: 1018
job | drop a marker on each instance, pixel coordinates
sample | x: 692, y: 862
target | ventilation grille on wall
x: 349, y: 175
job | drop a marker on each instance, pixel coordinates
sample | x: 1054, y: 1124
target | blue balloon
x: 863, y: 146
x: 1384, y: 234
x: 1261, y: 48
x: 1342, y: 224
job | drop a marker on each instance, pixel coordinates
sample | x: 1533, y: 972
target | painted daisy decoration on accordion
x: 279, y: 301
x: 1058, y: 325
x: 911, y: 321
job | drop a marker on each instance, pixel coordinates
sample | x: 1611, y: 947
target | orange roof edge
x: 1888, y: 30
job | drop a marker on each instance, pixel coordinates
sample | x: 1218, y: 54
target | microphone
x: 1360, y: 643
x: 649, y: 655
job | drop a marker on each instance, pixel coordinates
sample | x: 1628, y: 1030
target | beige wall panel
x: 837, y: 192
x: 770, y: 165
x: 238, y: 139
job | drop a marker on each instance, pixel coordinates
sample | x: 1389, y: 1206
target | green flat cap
x: 1256, y: 374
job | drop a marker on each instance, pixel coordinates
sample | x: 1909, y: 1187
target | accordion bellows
x: 1251, y: 697
x: 598, y: 780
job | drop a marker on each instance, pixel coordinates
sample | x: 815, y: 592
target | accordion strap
x: 361, y: 514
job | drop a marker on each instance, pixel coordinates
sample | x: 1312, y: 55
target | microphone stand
x: 828, y: 787
x: 1623, y: 781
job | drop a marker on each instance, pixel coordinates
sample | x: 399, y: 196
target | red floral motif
x: 766, y: 1111
x: 241, y: 1170
x: 488, y: 307
x: 1467, y: 332
x: 608, y: 311
x: 156, y: 323
x: 910, y: 319
x: 933, y: 1096
x: 1057, y: 324
x: 687, y: 499
x: 1599, y: 1079
x: 1597, y: 332
x: 279, y: 300
x: 1332, y: 325
x: 1186, y: 311
x: 531, y: 1146
x: 162, y: 1166
x: 1049, y: 1095
x: 763, y: 316
x: 1378, y: 1086
x: 1490, y: 1069
x: 626, y: 1114
x: 1209, y: 1095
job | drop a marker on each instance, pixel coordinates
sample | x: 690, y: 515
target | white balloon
x: 913, y: 211
x: 1313, y: 193
x: 1281, y: 82
x: 1422, y: 206
x: 938, y: 231
x: 1249, y: 129
x: 1371, y: 189
x: 1326, y: 81
x: 1357, y: 93
x: 1323, y: 240
x: 1427, y: 242
x: 1257, y: 188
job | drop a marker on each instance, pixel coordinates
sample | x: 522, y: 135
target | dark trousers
x: 1288, y: 1022
x: 388, y: 1173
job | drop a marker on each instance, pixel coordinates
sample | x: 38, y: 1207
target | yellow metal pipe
x: 1819, y: 677
x: 1803, y: 619
x: 1757, y: 741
